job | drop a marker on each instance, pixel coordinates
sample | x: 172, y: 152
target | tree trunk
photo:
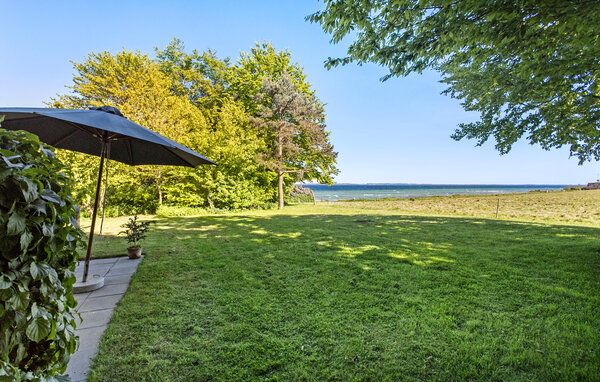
x: 159, y: 180
x: 280, y: 189
x: 280, y: 172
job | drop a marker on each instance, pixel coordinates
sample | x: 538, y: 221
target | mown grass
x: 572, y: 207
x: 349, y: 292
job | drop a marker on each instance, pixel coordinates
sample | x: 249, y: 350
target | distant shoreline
x: 438, y: 184
x: 339, y: 192
x: 440, y: 196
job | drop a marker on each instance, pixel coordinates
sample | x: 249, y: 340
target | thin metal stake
x: 497, y: 208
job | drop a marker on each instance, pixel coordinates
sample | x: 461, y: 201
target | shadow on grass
x: 438, y: 242
x: 368, y: 240
x: 335, y: 296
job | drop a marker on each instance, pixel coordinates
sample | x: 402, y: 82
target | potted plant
x: 135, y: 231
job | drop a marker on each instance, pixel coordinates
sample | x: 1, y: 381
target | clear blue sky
x: 397, y: 131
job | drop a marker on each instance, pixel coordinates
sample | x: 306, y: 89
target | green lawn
x: 347, y: 292
x: 574, y: 207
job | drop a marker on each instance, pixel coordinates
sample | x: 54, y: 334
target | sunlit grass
x: 351, y: 291
x: 573, y: 207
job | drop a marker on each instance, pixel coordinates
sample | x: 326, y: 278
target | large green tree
x: 239, y: 181
x: 215, y: 85
x: 263, y: 61
x: 199, y: 76
x: 530, y: 68
x: 134, y: 84
x: 293, y: 125
x: 205, y: 103
x: 294, y: 134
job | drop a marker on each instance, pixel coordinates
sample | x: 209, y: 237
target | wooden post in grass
x: 497, y: 208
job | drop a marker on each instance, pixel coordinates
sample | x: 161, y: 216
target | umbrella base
x: 93, y: 282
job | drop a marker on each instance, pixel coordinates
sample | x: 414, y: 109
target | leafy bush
x: 575, y: 188
x: 299, y: 195
x: 130, y: 195
x: 171, y: 211
x: 38, y: 238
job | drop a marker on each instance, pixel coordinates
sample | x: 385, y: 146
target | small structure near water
x: 592, y: 186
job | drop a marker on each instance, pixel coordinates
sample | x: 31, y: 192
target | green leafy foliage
x: 292, y: 124
x: 202, y: 102
x: 245, y: 79
x: 530, y: 68
x: 166, y: 211
x: 134, y: 84
x: 261, y: 79
x: 228, y: 137
x: 38, y: 239
x: 300, y: 195
x: 135, y: 230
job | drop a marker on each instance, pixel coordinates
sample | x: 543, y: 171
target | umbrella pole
x: 94, y: 213
x: 105, y: 187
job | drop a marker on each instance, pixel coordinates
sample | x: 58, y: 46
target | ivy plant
x: 38, y: 240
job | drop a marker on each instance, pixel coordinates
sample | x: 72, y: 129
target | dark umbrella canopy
x: 83, y: 130
x: 104, y: 132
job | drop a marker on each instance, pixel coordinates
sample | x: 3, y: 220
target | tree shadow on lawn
x: 517, y: 256
x: 376, y: 296
x: 370, y: 243
x: 418, y: 240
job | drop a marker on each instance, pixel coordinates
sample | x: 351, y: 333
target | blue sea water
x: 378, y: 191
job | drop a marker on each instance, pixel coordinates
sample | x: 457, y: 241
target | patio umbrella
x: 93, y: 132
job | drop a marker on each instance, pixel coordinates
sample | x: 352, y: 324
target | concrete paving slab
x: 101, y: 270
x: 95, y: 266
x: 124, y: 267
x: 95, y: 319
x: 108, y: 290
x: 96, y: 309
x: 99, y: 303
x: 120, y: 279
x: 88, y: 347
x: 80, y: 297
x: 122, y: 271
x: 110, y: 260
x: 127, y: 260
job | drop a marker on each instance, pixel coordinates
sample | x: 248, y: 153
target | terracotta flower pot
x: 134, y: 252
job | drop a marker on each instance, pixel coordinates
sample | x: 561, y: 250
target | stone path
x: 96, y: 308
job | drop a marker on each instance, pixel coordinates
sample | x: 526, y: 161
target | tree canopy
x: 530, y: 68
x: 205, y: 103
x: 263, y: 62
x: 292, y: 124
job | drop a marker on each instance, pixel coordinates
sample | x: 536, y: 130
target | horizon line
x: 438, y: 184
